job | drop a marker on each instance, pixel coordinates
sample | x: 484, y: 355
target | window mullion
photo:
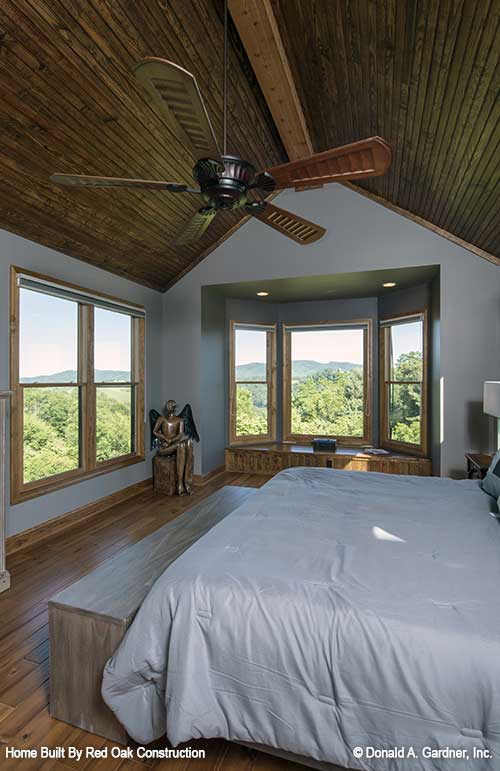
x: 137, y: 376
x: 88, y: 387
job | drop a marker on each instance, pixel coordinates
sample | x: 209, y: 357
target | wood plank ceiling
x: 423, y: 74
x: 71, y: 104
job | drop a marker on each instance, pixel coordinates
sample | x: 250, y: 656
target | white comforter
x: 332, y: 610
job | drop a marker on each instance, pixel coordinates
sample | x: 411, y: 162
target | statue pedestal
x: 165, y: 474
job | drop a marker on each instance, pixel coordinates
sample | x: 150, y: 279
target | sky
x: 48, y: 336
x: 325, y: 345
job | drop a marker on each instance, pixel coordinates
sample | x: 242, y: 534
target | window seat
x: 269, y: 458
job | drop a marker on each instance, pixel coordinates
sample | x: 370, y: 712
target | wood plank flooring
x: 39, y: 573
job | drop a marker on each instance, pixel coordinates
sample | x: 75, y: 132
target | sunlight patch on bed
x: 383, y: 535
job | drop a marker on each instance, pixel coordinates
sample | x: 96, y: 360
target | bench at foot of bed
x: 88, y: 620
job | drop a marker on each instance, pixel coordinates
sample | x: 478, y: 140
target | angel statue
x: 174, y: 434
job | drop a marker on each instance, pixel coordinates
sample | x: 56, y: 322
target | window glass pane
x: 112, y: 346
x: 48, y: 338
x: 251, y: 409
x: 404, y: 412
x: 114, y: 422
x: 250, y: 354
x: 51, y: 431
x: 407, y: 351
x: 327, y: 382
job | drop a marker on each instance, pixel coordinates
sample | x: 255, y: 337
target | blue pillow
x: 491, y: 482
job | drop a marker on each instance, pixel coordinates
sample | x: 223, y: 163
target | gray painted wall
x: 18, y: 251
x: 404, y: 301
x: 362, y: 235
x: 212, y: 422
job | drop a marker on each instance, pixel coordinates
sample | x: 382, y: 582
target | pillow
x: 491, y: 482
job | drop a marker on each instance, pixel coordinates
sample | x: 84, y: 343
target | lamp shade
x: 491, y: 398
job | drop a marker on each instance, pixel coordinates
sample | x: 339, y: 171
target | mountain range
x: 70, y: 376
x: 302, y: 368
x: 255, y: 370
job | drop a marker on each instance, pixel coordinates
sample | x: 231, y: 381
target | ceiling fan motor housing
x: 224, y: 187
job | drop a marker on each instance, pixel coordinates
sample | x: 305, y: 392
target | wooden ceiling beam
x: 260, y: 35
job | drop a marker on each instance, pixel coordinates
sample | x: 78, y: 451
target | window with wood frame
x: 327, y: 381
x: 403, y: 390
x: 252, y: 382
x: 77, y: 376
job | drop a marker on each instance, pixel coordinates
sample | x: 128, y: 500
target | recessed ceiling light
x: 389, y: 284
x: 262, y: 294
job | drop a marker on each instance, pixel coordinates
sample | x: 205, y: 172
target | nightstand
x: 478, y: 464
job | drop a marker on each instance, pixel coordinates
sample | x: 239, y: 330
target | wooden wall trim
x: 425, y: 223
x: 203, y: 479
x: 43, y: 531
x: 260, y: 35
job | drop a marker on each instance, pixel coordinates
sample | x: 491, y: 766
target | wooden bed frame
x: 88, y: 620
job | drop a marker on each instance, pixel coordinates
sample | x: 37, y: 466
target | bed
x: 332, y: 610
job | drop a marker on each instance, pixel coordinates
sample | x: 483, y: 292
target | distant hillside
x: 69, y: 376
x: 302, y: 368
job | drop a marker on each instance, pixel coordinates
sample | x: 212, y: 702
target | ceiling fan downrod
x: 224, y: 85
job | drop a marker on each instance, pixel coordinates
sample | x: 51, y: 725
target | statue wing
x: 189, y: 425
x: 153, y: 417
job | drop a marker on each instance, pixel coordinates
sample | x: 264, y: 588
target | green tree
x: 113, y: 425
x: 405, y: 399
x: 250, y: 419
x: 330, y: 402
x: 51, y: 429
x: 50, y: 447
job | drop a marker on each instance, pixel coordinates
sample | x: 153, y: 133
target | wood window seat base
x: 272, y: 457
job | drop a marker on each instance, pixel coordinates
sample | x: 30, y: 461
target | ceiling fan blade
x: 196, y: 226
x: 81, y: 180
x: 297, y: 228
x: 367, y: 158
x: 176, y: 92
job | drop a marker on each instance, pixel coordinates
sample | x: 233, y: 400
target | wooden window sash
x: 421, y: 449
x: 270, y: 381
x: 367, y: 327
x: 89, y: 467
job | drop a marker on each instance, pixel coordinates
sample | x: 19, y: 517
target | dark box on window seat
x: 324, y: 445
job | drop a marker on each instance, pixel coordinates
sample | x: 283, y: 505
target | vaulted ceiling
x: 70, y: 103
x: 423, y: 74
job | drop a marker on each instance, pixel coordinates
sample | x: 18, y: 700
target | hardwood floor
x: 39, y: 573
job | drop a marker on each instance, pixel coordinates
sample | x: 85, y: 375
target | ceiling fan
x: 228, y: 181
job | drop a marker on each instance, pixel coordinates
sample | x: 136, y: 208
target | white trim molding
x: 4, y: 573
